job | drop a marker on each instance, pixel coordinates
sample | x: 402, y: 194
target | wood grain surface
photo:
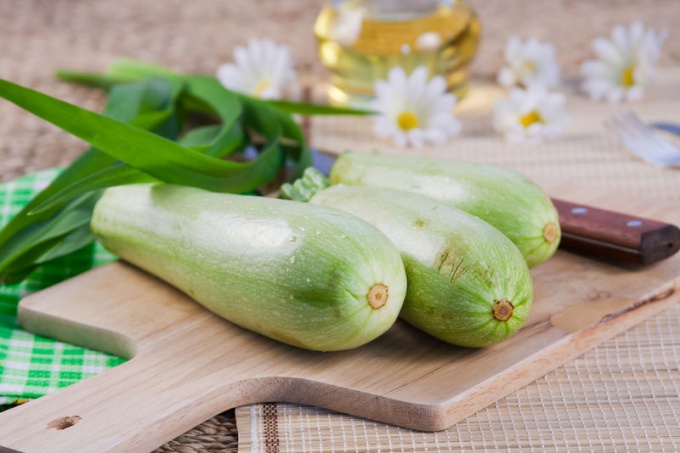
x: 188, y: 365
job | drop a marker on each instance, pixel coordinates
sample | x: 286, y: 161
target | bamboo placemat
x: 40, y: 36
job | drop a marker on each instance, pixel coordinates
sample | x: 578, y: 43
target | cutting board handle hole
x: 64, y: 422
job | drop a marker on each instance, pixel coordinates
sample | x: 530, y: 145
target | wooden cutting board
x: 188, y: 365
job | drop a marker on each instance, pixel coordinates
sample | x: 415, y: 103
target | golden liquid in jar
x: 384, y: 44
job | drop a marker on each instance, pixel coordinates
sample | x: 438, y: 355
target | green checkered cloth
x: 30, y: 365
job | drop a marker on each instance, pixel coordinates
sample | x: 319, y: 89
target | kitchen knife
x: 593, y: 231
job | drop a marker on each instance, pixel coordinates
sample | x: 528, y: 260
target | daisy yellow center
x: 531, y: 118
x: 628, y: 76
x: 263, y: 85
x: 529, y: 66
x: 407, y: 121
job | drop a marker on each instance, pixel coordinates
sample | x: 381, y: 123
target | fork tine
x: 663, y: 148
x: 627, y: 123
x: 616, y: 126
x: 642, y: 140
x: 629, y: 133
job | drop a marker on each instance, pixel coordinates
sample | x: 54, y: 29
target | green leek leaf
x: 28, y: 240
x: 118, y: 174
x: 127, y: 102
x: 302, y: 108
x: 155, y: 155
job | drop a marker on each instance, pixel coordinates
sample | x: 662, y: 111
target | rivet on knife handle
x: 615, y: 235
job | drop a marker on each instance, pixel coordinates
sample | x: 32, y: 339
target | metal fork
x: 643, y: 140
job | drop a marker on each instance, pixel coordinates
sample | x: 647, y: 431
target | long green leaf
x: 29, y: 244
x: 21, y: 269
x: 128, y: 103
x: 202, y: 137
x: 75, y: 240
x: 89, y: 161
x: 227, y: 106
x: 213, y: 141
x: 47, y: 251
x: 91, y: 79
x: 261, y: 113
x: 157, y: 156
x: 206, y: 90
x: 123, y: 70
x: 118, y: 174
x: 303, y: 108
x: 134, y: 69
x: 68, y: 216
x: 31, y: 239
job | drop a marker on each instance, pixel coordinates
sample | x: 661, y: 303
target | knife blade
x: 593, y: 231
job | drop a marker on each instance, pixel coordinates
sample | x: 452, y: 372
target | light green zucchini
x: 308, y: 276
x: 468, y: 284
x: 509, y: 201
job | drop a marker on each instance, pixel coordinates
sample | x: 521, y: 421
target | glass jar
x: 359, y: 41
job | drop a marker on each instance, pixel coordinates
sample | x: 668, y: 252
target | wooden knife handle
x: 615, y: 235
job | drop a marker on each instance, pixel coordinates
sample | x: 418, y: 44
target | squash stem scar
x: 502, y: 310
x: 377, y: 296
x: 550, y: 232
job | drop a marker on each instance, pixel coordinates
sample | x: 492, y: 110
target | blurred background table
x: 623, y: 395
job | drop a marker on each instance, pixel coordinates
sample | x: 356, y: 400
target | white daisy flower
x: 412, y: 110
x: 624, y: 65
x: 261, y: 70
x: 529, y: 63
x: 531, y: 114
